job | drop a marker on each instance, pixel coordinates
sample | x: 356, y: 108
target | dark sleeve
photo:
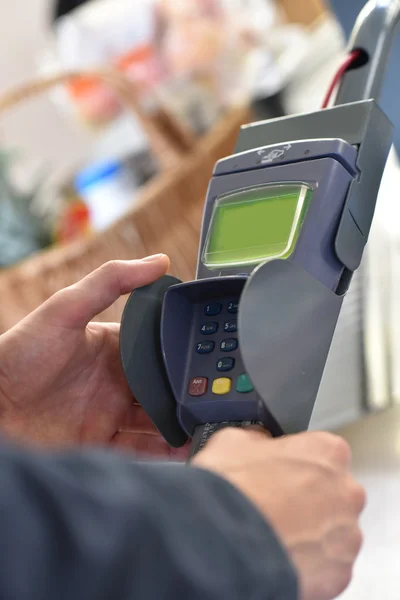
x: 96, y: 526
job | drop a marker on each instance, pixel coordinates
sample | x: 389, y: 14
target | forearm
x: 96, y: 526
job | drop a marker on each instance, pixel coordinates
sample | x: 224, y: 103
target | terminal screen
x: 254, y: 225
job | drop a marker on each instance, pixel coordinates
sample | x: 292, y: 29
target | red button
x: 198, y: 386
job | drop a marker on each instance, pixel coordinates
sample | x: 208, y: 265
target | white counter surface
x: 376, y: 464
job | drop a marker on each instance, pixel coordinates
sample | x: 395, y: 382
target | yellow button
x: 221, y: 386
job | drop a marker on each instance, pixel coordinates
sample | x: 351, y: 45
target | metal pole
x: 373, y: 34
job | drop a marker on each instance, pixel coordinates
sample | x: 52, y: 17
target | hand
x: 61, y: 380
x: 302, y: 485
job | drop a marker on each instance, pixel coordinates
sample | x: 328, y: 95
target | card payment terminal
x: 285, y: 223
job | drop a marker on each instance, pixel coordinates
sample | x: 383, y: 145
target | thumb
x: 77, y: 305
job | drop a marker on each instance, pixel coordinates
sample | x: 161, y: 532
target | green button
x: 244, y: 385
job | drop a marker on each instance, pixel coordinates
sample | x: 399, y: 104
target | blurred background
x: 112, y: 115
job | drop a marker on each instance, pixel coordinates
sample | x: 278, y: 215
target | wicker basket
x: 166, y: 218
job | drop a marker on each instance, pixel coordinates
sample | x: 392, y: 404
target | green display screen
x: 255, y: 225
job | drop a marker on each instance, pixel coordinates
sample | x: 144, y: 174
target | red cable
x: 347, y: 63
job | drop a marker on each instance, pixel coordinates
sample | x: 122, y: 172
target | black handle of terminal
x: 142, y: 361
